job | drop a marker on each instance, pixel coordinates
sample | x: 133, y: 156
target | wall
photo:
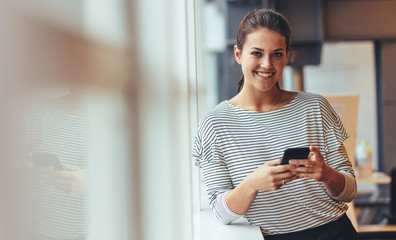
x: 349, y: 68
x: 388, y: 71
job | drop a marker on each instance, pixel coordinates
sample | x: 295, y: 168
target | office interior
x: 146, y: 71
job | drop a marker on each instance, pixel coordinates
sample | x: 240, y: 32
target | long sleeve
x: 335, y: 152
x: 344, y: 166
x: 350, y: 189
x: 223, y: 213
x: 208, y: 156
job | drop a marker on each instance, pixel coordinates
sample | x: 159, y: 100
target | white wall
x: 349, y: 68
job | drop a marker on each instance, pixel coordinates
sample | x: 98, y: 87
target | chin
x: 265, y: 87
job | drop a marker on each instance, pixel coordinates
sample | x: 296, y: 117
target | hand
x: 314, y: 167
x: 71, y: 180
x: 271, y: 176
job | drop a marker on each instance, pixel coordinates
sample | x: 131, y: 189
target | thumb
x: 274, y: 162
x: 316, y: 152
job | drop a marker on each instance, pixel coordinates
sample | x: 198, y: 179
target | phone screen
x: 295, y: 153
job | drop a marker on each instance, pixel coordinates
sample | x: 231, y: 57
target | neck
x: 259, y: 101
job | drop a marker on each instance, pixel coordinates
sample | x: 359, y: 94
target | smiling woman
x: 253, y: 22
x: 263, y: 59
x: 239, y: 144
x: 262, y: 49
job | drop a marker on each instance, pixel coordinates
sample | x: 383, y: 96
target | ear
x: 237, y: 54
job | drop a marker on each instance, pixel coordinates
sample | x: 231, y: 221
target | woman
x: 239, y: 145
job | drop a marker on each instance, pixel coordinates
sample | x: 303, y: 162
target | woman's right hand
x: 267, y: 177
x: 271, y: 176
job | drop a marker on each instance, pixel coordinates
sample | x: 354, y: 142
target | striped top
x: 232, y: 142
x: 50, y: 211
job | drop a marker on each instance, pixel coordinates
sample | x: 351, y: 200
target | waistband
x: 316, y: 231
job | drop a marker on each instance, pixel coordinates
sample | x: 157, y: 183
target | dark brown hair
x: 264, y: 18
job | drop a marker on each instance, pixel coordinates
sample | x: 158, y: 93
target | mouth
x: 264, y: 74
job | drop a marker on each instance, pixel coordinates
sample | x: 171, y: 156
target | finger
x: 282, y: 168
x: 304, y: 170
x: 307, y: 175
x: 290, y: 179
x: 305, y: 162
x: 285, y: 175
x: 315, y: 151
x: 274, y: 162
x: 285, y: 181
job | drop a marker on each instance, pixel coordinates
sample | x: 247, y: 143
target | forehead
x: 265, y: 39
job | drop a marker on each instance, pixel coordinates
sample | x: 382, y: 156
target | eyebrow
x: 276, y: 50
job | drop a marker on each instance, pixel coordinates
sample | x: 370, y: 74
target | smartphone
x: 46, y: 159
x: 295, y: 153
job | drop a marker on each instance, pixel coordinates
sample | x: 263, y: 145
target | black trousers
x: 340, y: 229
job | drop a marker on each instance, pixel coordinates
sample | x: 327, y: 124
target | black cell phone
x: 295, y: 153
x: 47, y: 159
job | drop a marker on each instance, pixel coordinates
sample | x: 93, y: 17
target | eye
x: 277, y: 54
x: 256, y: 54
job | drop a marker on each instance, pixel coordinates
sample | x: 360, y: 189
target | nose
x: 266, y: 61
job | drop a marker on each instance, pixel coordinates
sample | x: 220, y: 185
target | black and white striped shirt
x: 232, y: 142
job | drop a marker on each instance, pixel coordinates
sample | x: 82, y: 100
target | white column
x: 110, y: 185
x: 111, y: 188
x: 106, y: 20
x: 163, y: 83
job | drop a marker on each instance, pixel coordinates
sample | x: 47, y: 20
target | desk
x: 377, y: 228
x: 372, y: 197
x: 369, y: 185
x: 376, y: 178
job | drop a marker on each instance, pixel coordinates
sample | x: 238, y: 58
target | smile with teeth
x: 262, y: 74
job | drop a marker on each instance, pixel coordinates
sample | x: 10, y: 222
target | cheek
x: 280, y: 64
x: 250, y: 64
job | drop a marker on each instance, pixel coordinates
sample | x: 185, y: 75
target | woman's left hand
x: 314, y: 167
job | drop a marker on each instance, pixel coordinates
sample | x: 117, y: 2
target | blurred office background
x: 148, y: 70
x: 344, y: 49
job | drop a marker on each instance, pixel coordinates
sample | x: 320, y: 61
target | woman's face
x: 263, y: 59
